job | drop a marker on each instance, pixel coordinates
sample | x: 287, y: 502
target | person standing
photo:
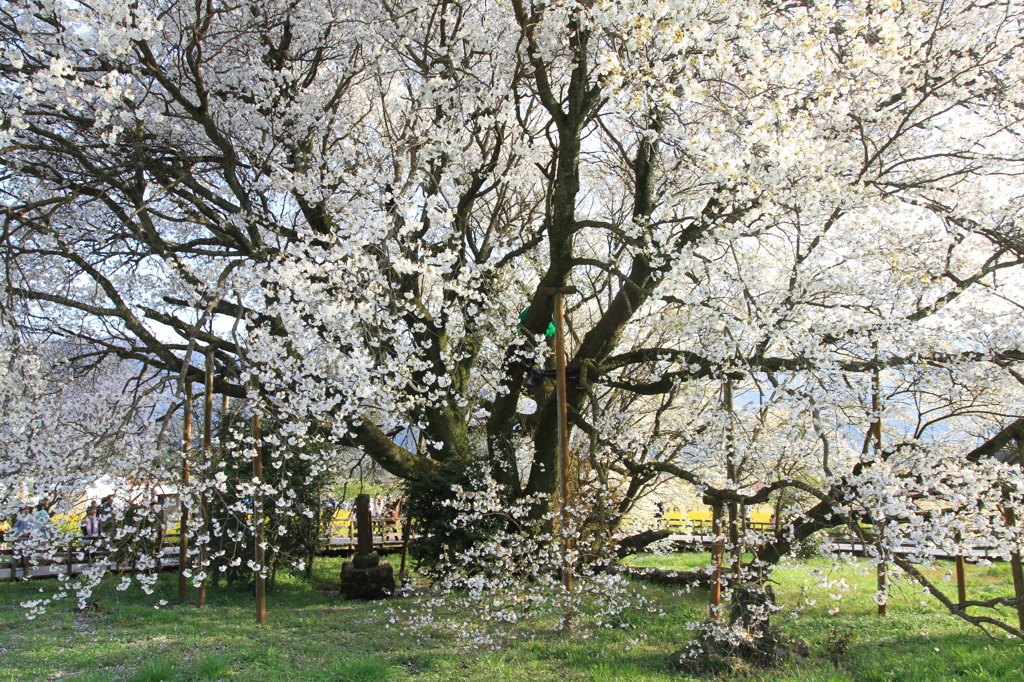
x: 39, y: 523
x: 91, y: 530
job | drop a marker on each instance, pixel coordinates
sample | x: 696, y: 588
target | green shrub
x: 433, y: 520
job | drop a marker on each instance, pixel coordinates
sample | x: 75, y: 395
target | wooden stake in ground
x: 876, y: 434
x: 186, y: 445
x: 716, y: 560
x: 257, y: 517
x: 732, y: 473
x: 563, y: 442
x: 961, y: 579
x: 207, y: 447
x: 406, y: 533
x: 1015, y: 567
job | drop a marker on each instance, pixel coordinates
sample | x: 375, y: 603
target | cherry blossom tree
x: 358, y: 206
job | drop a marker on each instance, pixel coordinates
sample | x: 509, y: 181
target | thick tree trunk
x: 636, y: 543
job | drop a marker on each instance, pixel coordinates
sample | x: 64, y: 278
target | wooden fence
x: 82, y: 553
x: 73, y: 558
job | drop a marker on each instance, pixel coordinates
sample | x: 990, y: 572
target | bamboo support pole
x: 883, y: 581
x: 961, y: 577
x: 186, y: 445
x: 207, y: 447
x: 563, y: 450
x: 1015, y: 563
x: 257, y: 518
x: 716, y: 561
x: 876, y: 432
x: 732, y: 472
x: 406, y: 533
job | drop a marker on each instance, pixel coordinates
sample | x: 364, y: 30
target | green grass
x: 311, y: 634
x: 157, y: 670
x: 360, y: 669
x: 212, y: 666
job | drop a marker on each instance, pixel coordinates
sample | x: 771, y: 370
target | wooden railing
x: 701, y: 526
x: 67, y: 559
x: 342, y: 533
x: 80, y: 553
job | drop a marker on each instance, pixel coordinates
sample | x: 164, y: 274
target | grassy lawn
x: 313, y: 635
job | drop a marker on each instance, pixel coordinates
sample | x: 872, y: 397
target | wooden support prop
x: 732, y: 473
x: 961, y: 579
x: 1015, y: 564
x: 161, y: 539
x: 207, y: 445
x: 716, y: 561
x: 883, y: 583
x: 406, y: 534
x: 186, y: 445
x: 736, y: 567
x: 876, y: 430
x: 257, y: 517
x: 563, y: 443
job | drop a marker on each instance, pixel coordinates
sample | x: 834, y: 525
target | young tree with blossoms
x: 65, y: 432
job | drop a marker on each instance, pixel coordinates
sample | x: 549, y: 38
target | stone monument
x: 366, y: 577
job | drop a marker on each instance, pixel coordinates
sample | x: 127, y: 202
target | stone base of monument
x: 365, y: 577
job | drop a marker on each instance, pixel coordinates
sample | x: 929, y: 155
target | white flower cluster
x: 510, y: 582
